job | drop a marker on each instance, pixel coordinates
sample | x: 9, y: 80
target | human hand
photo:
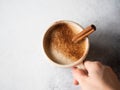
x: 97, y: 77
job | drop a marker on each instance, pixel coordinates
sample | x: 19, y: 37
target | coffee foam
x: 60, y: 58
x: 60, y: 47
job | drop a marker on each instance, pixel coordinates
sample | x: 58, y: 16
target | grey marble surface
x: 23, y: 65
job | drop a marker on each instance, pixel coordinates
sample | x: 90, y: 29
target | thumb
x: 79, y: 74
x: 75, y: 82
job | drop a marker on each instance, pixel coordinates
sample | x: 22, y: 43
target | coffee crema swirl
x: 60, y: 39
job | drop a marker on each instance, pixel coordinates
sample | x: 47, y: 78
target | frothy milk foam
x: 59, y: 46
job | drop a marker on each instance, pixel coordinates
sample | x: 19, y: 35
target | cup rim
x: 76, y: 62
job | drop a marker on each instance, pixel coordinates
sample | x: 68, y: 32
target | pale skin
x: 96, y: 77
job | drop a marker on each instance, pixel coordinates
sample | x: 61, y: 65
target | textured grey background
x: 23, y: 65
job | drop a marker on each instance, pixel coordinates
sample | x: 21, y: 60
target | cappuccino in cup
x: 58, y: 45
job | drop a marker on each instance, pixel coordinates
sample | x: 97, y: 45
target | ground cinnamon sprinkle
x: 61, y: 39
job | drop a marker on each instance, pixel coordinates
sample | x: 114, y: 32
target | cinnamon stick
x: 87, y: 31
